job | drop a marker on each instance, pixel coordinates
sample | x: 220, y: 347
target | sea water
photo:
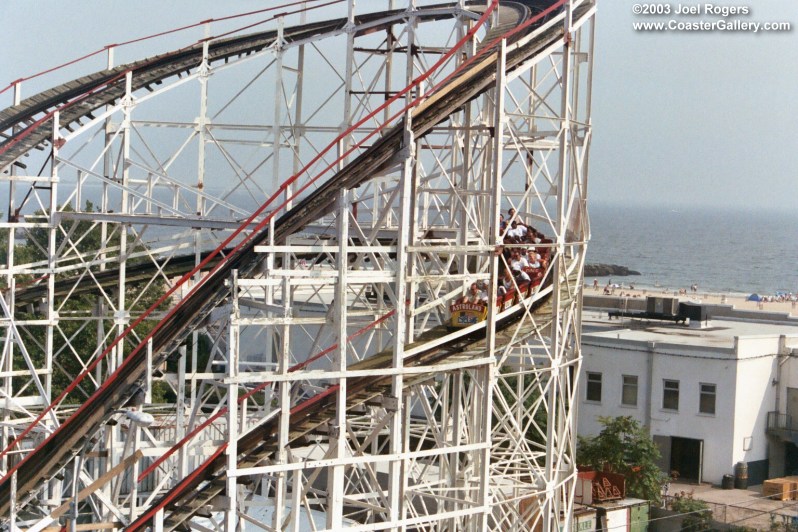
x: 719, y: 249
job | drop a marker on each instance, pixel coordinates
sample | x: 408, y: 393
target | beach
x: 738, y: 301
x: 722, y: 250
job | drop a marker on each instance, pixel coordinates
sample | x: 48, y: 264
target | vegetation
x: 697, y: 516
x: 782, y: 523
x: 77, y: 338
x: 623, y: 447
x: 507, y: 386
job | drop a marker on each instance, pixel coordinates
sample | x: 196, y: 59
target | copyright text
x: 651, y: 17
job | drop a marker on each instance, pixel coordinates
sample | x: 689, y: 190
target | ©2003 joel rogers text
x: 723, y: 18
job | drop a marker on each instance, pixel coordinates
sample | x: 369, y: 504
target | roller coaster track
x: 171, y: 267
x: 84, y: 96
x: 198, y: 490
x: 29, y: 124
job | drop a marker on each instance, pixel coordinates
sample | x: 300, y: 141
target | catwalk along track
x: 29, y: 125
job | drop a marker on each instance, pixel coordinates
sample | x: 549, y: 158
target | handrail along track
x: 44, y: 461
x: 80, y: 98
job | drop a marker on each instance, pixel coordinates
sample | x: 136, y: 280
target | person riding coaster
x: 473, y: 306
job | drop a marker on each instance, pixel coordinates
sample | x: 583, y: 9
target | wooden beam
x: 97, y: 484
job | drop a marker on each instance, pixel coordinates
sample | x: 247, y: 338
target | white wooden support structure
x: 373, y: 410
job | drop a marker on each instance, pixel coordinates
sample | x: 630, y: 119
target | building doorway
x: 687, y: 457
x: 790, y: 459
x: 792, y: 408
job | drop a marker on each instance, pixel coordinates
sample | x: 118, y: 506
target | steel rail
x: 43, y: 462
x: 23, y: 129
x: 260, y: 227
x: 194, y: 493
x: 466, y: 86
x: 107, y: 47
x: 206, y: 482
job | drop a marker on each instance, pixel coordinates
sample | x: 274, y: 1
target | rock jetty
x: 606, y: 270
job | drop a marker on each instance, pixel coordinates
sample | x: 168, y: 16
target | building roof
x: 715, y: 334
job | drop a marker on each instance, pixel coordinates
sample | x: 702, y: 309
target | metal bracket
x: 390, y: 403
x: 221, y: 502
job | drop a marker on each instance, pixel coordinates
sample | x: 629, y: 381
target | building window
x: 706, y: 402
x: 594, y: 387
x: 629, y: 390
x: 670, y: 395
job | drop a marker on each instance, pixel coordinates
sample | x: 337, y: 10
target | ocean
x: 719, y: 249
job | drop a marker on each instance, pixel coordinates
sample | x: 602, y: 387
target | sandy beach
x: 738, y: 301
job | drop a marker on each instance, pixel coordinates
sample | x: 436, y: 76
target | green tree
x: 623, y: 447
x: 76, y: 341
x: 535, y: 424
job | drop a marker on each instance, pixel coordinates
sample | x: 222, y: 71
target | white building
x: 710, y: 395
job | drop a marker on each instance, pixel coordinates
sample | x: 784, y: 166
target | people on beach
x: 780, y: 301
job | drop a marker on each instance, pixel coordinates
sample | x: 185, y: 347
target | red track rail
x: 120, y: 75
x: 259, y: 227
x: 176, y: 492
x: 263, y: 223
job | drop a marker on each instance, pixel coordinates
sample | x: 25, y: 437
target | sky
x: 707, y: 118
x: 679, y: 118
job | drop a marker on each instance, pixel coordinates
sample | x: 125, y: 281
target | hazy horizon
x: 701, y: 118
